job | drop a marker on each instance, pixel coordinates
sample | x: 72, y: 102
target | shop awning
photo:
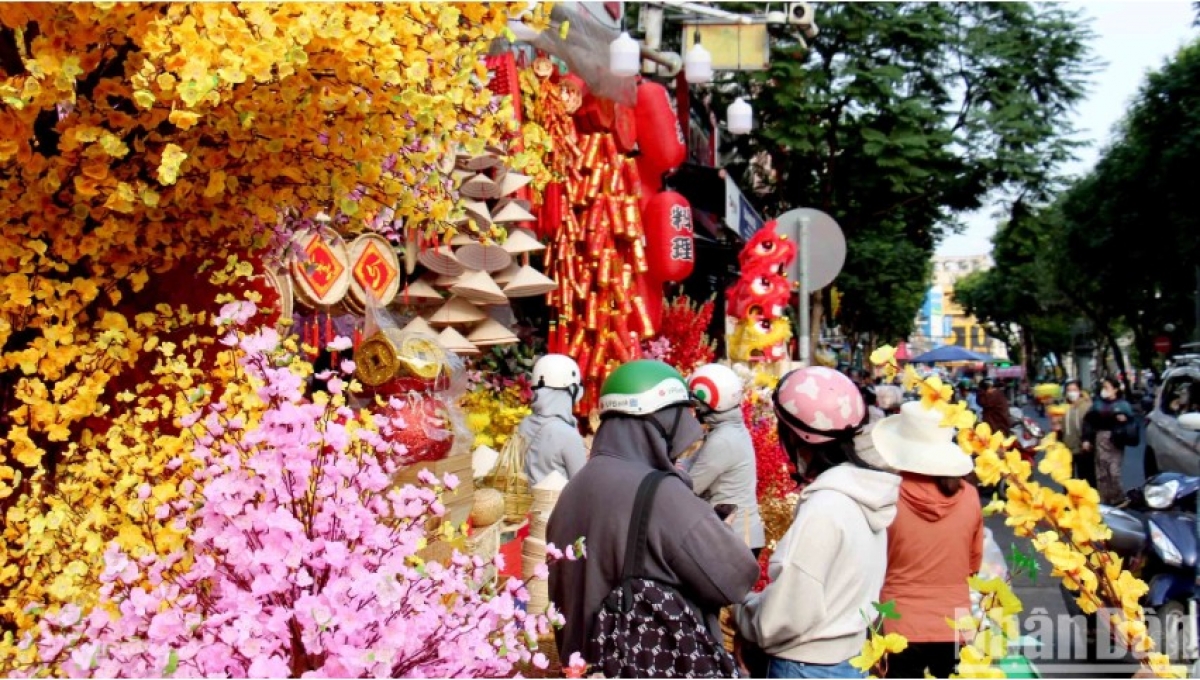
x: 712, y: 190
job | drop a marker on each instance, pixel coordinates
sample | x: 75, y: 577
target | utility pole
x: 805, y: 313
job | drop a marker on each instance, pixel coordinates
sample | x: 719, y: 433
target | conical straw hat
x: 479, y: 288
x: 505, y: 275
x: 419, y: 291
x: 491, y: 332
x: 489, y: 258
x: 529, y: 282
x: 479, y: 212
x: 444, y: 281
x: 457, y: 311
x: 519, y: 241
x: 479, y: 187
x: 446, y: 163
x: 461, y: 239
x: 513, y: 182
x: 512, y: 213
x: 442, y: 261
x: 455, y: 342
x: 500, y: 204
x: 419, y: 325
x: 477, y: 163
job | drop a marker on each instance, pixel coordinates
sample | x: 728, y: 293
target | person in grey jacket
x: 723, y: 471
x: 647, y: 425
x: 552, y: 439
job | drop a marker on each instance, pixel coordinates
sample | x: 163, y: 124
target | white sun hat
x: 915, y: 441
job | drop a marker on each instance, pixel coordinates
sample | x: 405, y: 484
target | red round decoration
x: 624, y: 128
x: 422, y: 424
x: 670, y: 237
x: 659, y: 135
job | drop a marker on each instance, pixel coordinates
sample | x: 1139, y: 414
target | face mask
x: 1108, y: 394
x: 1072, y: 396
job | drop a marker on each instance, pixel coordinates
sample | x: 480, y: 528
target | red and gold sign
x: 321, y: 272
x: 376, y: 271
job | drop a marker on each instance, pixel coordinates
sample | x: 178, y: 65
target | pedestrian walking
x: 828, y: 568
x: 994, y: 408
x: 723, y: 471
x: 1108, y: 428
x: 550, y: 434
x: 934, y: 545
x: 691, y: 560
x: 1079, y: 402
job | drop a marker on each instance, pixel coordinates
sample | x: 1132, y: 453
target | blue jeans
x: 786, y: 668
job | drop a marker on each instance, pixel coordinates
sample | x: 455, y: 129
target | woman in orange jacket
x: 935, y: 544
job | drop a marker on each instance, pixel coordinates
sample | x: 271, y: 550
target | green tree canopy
x: 1126, y: 242
x: 900, y: 116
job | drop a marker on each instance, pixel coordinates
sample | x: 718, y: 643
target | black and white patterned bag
x: 647, y: 629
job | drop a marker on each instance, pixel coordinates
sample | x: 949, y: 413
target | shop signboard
x: 740, y: 217
x: 934, y: 313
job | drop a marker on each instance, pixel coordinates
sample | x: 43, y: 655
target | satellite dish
x: 826, y: 246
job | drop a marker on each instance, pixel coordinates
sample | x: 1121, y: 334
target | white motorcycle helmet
x: 716, y: 389
x: 559, y: 372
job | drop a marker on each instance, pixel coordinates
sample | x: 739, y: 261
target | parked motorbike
x: 1154, y: 531
x: 1027, y: 433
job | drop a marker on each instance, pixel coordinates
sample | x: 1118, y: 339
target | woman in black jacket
x: 1108, y: 428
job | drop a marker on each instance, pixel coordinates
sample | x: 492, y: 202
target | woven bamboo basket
x: 485, y: 542
x: 508, y: 477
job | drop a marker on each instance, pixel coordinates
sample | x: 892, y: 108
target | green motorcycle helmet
x: 642, y: 387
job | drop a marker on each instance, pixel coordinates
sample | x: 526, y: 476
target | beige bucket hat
x: 915, y: 441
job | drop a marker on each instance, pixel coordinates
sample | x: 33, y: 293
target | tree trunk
x: 1119, y: 358
x: 1027, y: 351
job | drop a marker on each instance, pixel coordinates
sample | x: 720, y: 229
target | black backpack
x: 647, y: 629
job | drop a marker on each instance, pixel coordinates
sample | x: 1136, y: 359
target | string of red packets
x: 598, y: 257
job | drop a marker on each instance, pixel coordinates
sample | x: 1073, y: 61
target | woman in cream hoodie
x: 829, y: 567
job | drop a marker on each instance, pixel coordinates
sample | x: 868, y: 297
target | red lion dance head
x: 761, y: 296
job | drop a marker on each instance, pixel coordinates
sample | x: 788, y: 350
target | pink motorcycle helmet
x: 820, y: 405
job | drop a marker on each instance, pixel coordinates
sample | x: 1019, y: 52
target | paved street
x: 1043, y: 596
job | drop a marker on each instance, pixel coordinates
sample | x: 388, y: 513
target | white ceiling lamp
x: 698, y: 64
x: 739, y: 117
x: 624, y: 56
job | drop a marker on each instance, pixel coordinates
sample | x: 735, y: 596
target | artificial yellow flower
x: 957, y: 415
x: 1057, y: 463
x: 933, y: 391
x: 885, y: 358
x: 990, y: 468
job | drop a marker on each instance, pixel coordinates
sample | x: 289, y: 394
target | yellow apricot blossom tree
x: 150, y: 155
x: 1066, y: 527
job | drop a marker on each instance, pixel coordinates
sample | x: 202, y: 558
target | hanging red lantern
x: 670, y: 237
x: 659, y: 135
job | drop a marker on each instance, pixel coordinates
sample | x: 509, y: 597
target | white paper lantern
x: 697, y: 65
x: 739, y: 118
x: 624, y: 56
